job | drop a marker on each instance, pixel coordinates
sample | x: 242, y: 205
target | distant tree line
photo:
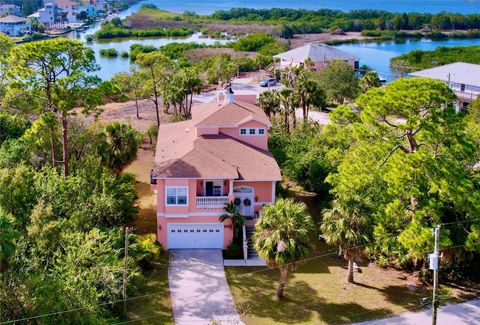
x: 311, y: 21
x: 418, y: 59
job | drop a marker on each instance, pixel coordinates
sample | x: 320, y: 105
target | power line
x: 458, y: 222
x: 78, y: 309
x: 330, y: 253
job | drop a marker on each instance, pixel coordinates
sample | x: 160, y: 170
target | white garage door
x: 195, y: 235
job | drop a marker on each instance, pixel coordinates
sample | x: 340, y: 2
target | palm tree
x: 349, y: 228
x: 7, y: 240
x: 369, y: 80
x: 282, y: 236
x: 118, y: 146
x: 289, y: 101
x: 269, y: 102
x: 237, y: 219
x: 311, y: 94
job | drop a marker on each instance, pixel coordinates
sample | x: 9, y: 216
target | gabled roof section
x: 220, y: 156
x: 317, y: 52
x: 13, y: 19
x: 232, y: 114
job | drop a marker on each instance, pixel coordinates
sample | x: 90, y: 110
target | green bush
x: 136, y: 49
x: 109, y: 53
x: 146, y: 250
x: 124, y: 54
x: 115, y: 30
x: 233, y: 252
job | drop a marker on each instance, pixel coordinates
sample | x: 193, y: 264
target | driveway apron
x: 199, y: 288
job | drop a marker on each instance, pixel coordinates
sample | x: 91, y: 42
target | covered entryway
x: 243, y: 200
x: 195, y: 235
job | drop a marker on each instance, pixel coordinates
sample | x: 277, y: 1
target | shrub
x: 136, y: 49
x: 152, y: 134
x: 176, y: 118
x: 146, y: 250
x: 124, y: 54
x: 233, y: 252
x: 110, y: 53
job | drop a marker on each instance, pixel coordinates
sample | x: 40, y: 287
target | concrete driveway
x: 199, y: 289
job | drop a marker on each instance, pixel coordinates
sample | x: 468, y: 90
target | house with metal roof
x: 320, y: 54
x: 463, y: 78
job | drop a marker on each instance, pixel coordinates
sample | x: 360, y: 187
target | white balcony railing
x: 211, y: 202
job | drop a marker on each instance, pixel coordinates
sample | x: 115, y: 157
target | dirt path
x: 126, y: 112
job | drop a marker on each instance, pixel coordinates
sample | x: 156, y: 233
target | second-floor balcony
x: 211, y: 202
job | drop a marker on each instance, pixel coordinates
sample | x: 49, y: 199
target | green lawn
x: 317, y: 292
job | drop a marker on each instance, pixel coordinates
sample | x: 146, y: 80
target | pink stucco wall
x: 259, y: 141
x: 262, y: 194
x: 262, y: 190
x: 319, y: 65
x: 322, y: 65
x: 202, y: 131
x: 246, y: 98
x: 192, y: 197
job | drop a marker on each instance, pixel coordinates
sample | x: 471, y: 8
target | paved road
x: 461, y: 314
x: 199, y: 289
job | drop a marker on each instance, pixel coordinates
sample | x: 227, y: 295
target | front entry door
x: 244, y: 196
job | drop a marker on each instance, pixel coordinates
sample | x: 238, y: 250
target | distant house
x: 462, y: 78
x: 6, y: 10
x: 49, y: 14
x: 15, y: 26
x: 219, y: 156
x: 320, y: 54
x: 69, y: 8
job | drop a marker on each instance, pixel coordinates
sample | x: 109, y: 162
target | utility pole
x: 434, y: 266
x: 125, y: 272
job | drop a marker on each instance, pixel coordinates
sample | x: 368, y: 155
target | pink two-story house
x: 220, y: 155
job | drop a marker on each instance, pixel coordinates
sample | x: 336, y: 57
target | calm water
x: 111, y: 66
x: 375, y: 55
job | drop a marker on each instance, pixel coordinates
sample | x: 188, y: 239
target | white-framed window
x: 176, y: 195
x: 252, y: 131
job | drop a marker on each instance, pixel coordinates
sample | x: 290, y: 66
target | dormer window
x: 252, y: 131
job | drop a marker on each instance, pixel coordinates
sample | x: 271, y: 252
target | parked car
x: 268, y: 82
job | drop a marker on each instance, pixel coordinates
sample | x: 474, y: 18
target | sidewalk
x: 459, y: 314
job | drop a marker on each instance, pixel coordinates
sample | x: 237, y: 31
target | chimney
x: 229, y: 95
